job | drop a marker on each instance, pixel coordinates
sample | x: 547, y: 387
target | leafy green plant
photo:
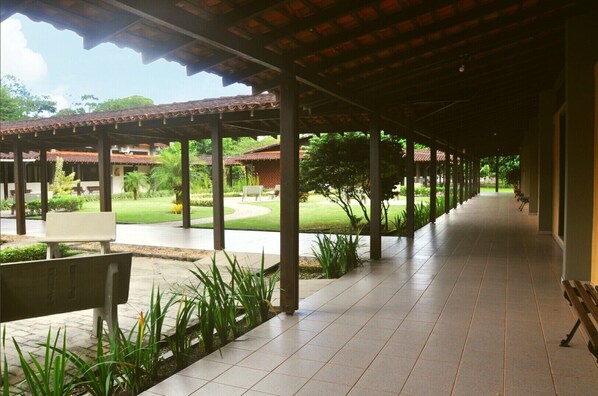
x: 207, y: 202
x: 97, y: 378
x: 132, y: 355
x: 62, y: 184
x: 66, y: 203
x: 4, y: 379
x: 6, y: 204
x: 337, y: 254
x: 34, y: 207
x: 47, y: 377
x: 154, y: 320
x: 134, y: 181
x: 254, y: 290
x: 29, y: 253
x: 180, y: 341
x: 217, y: 301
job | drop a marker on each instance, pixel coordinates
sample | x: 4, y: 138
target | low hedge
x: 65, y: 203
x: 29, y: 253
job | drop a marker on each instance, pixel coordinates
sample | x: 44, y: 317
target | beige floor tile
x: 349, y: 357
x: 241, y: 377
x: 205, y: 369
x: 344, y: 375
x: 178, y: 385
x: 320, y: 388
x: 215, y: 389
x: 382, y: 381
x: 299, y: 367
x: 262, y: 361
x: 280, y: 384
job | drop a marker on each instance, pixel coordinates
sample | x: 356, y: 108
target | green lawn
x: 500, y: 189
x: 316, y: 215
x: 148, y: 210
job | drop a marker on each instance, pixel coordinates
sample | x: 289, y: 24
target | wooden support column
x: 5, y: 178
x: 105, y: 172
x: 216, y: 133
x: 289, y: 194
x: 455, y: 180
x: 467, y: 180
x: 433, y: 179
x: 496, y: 174
x: 19, y: 177
x: 546, y: 110
x: 461, y: 176
x: 43, y: 181
x: 375, y: 192
x: 410, y: 174
x: 185, y: 183
x: 581, y: 54
x: 447, y: 180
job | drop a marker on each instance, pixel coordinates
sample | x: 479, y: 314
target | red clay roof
x: 89, y: 157
x: 165, y: 111
x: 263, y: 156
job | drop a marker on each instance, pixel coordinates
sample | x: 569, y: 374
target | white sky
x: 53, y: 62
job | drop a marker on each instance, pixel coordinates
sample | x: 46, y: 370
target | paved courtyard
x: 471, y: 306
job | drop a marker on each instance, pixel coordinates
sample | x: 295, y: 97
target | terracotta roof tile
x: 205, y: 106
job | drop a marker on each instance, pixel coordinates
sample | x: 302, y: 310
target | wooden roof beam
x: 246, y: 12
x: 208, y: 63
x: 11, y: 7
x: 176, y: 19
x: 162, y: 50
x: 107, y: 31
x: 384, y: 22
x: 439, y: 28
x: 250, y: 71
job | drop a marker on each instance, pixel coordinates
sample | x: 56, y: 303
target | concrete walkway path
x: 241, y: 211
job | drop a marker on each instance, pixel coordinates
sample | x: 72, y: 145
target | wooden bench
x: 28, y: 197
x: 275, y: 193
x: 583, y: 297
x: 92, y: 189
x: 252, y: 190
x: 79, y: 227
x: 32, y: 289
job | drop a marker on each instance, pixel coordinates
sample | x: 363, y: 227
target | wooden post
x: 19, y: 176
x: 43, y: 181
x: 217, y: 182
x: 433, y: 177
x: 289, y: 194
x: 5, y: 178
x: 462, y: 180
x: 455, y: 180
x: 447, y: 180
x: 410, y: 174
x: 105, y: 173
x: 185, y: 183
x: 496, y: 174
x: 375, y: 193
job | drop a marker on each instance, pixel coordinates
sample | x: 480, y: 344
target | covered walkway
x: 471, y: 306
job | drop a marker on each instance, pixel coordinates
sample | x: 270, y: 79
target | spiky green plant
x: 49, y: 376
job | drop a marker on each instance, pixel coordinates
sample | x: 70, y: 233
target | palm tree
x: 134, y: 181
x: 168, y: 174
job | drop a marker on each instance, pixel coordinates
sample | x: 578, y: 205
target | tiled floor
x: 471, y: 306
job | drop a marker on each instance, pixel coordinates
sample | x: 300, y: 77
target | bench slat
x: 590, y: 304
x: 44, y: 287
x: 582, y: 314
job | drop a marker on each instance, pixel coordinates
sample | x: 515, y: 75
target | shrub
x: 34, y: 207
x: 207, y: 202
x: 6, y: 204
x: 65, y: 203
x: 177, y: 208
x: 29, y: 253
x: 337, y: 255
x: 419, y: 191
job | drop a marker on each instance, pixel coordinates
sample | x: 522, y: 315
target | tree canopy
x: 18, y: 103
x: 337, y: 167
